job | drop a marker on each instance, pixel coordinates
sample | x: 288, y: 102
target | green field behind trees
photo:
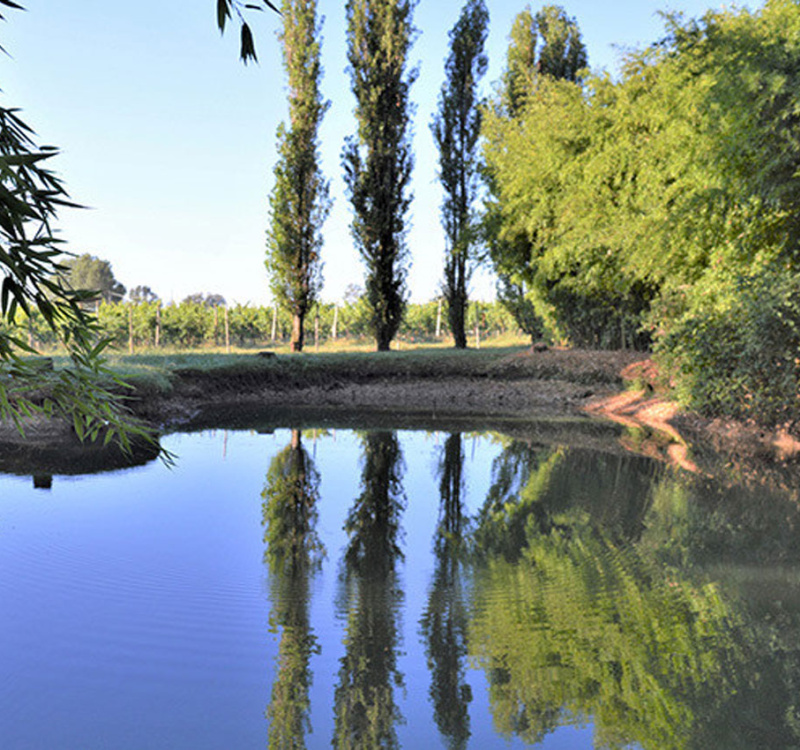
x: 196, y: 324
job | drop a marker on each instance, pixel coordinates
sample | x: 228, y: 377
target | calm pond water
x: 409, y: 589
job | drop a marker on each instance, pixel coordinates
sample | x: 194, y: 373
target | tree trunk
x: 227, y: 332
x: 130, y: 329
x: 456, y: 314
x: 383, y: 339
x: 297, y: 332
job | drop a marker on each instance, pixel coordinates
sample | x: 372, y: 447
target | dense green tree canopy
x: 205, y: 300
x: 142, y: 293
x: 648, y: 207
x: 543, y: 48
x: 94, y: 275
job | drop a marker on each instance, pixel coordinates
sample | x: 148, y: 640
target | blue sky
x: 170, y: 140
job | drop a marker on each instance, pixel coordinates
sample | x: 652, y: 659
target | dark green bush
x: 738, y: 355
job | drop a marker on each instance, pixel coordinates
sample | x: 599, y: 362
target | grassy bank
x: 163, y: 373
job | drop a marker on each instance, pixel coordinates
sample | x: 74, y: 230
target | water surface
x: 409, y: 589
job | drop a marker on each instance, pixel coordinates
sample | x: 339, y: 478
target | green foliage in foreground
x: 740, y: 356
x: 662, y: 206
x: 31, y: 265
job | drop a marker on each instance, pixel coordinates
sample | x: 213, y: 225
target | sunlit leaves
x: 615, y: 199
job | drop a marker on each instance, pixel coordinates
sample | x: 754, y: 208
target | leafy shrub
x: 738, y: 353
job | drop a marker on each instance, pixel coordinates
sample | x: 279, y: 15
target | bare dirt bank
x: 690, y: 435
x: 521, y: 385
x: 552, y: 382
x: 512, y: 391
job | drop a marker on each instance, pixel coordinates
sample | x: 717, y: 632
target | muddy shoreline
x: 555, y: 382
x: 458, y: 397
x: 531, y: 395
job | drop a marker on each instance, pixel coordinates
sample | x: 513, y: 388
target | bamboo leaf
x: 248, y: 50
x: 223, y: 13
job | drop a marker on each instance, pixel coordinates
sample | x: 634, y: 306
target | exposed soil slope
x: 552, y: 381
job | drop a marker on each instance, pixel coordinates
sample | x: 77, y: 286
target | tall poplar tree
x: 378, y: 160
x: 456, y: 129
x: 299, y: 201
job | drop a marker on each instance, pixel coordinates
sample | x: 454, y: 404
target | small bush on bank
x: 738, y: 354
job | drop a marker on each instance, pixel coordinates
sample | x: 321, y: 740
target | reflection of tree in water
x: 747, y: 537
x: 366, y: 712
x: 535, y: 486
x: 583, y: 629
x: 601, y: 614
x: 444, y: 622
x: 518, y: 475
x: 293, y: 554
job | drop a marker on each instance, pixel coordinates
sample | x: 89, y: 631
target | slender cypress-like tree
x: 456, y: 129
x: 378, y: 160
x: 299, y: 202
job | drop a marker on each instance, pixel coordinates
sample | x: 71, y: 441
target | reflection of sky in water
x: 136, y: 605
x: 134, y: 602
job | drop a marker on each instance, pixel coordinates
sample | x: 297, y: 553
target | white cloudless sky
x: 170, y: 140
